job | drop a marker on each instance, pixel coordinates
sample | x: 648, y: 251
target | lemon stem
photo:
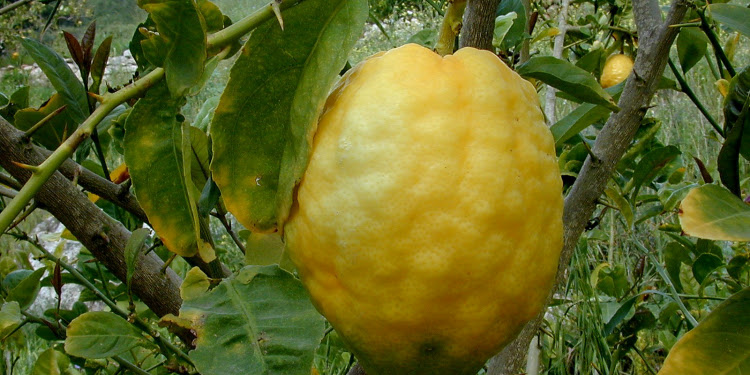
x: 450, y: 28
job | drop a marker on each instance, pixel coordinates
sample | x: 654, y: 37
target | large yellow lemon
x: 428, y: 225
x: 616, y: 69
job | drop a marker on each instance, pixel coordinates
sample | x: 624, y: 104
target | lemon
x: 616, y: 69
x: 428, y: 225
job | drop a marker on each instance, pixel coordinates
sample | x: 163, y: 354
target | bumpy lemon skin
x: 616, y: 69
x: 428, y: 225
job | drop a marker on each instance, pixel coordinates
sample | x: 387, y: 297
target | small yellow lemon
x: 428, y: 225
x: 616, y: 69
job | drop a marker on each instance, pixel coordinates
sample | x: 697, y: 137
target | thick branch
x: 99, y: 233
x: 479, y: 24
x: 99, y: 185
x: 611, y: 143
x: 121, y: 196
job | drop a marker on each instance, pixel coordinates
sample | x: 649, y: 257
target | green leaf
x: 671, y: 196
x: 612, y: 281
x: 739, y: 91
x: 61, y: 77
x: 211, y: 15
x: 574, y: 122
x: 51, y: 362
x: 728, y: 160
x: 517, y: 32
x: 196, y: 284
x: 649, y: 167
x: 732, y: 16
x: 581, y: 118
x: 502, y: 26
x: 736, y: 265
x: 720, y: 344
x: 17, y: 101
x: 712, y: 212
x: 262, y: 248
x: 206, y: 113
x: 267, y: 114
x: 209, y: 198
x: 10, y: 318
x: 568, y: 78
x: 133, y: 251
x: 101, y: 334
x: 691, y: 47
x: 592, y: 61
x: 674, y: 256
x: 99, y: 63
x: 56, y: 130
x: 426, y: 38
x: 704, y: 265
x: 76, y: 310
x: 626, y: 209
x: 26, y: 290
x: 189, y: 157
x: 274, y: 327
x: 182, y: 32
x: 153, y: 153
x: 199, y: 163
x: 621, y: 313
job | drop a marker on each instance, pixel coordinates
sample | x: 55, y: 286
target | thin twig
x: 12, y: 6
x: 684, y: 87
x: 138, y: 322
x: 718, y: 50
x: 663, y: 273
x: 10, y: 182
x: 4, y: 191
x: 228, y: 226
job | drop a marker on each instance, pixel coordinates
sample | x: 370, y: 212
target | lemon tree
x: 307, y: 188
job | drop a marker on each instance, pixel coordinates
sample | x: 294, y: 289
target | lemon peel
x: 616, y: 69
x: 428, y: 225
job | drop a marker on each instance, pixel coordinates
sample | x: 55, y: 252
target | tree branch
x: 15, y: 5
x: 98, y: 185
x: 479, y: 24
x: 99, y: 233
x: 120, y: 195
x: 656, y: 38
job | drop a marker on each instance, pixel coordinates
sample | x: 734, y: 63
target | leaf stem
x: 663, y: 273
x: 100, y: 152
x: 450, y: 27
x: 684, y: 87
x: 110, y: 101
x: 245, y: 25
x: 43, y: 122
x: 138, y: 322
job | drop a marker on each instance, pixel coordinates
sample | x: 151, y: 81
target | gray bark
x: 103, y: 236
x: 479, y: 24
